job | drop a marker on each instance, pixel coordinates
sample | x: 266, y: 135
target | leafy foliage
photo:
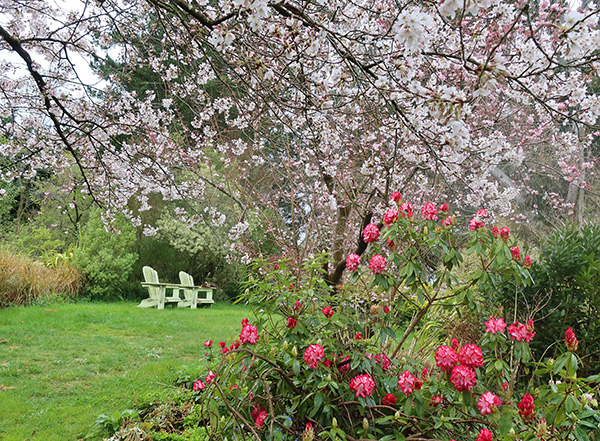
x: 106, y: 258
x: 315, y: 364
x: 565, y: 292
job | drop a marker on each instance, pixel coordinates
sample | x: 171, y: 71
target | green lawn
x: 63, y: 364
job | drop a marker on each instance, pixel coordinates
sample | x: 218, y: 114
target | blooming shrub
x: 350, y: 375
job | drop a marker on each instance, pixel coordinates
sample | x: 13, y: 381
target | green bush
x: 565, y: 292
x: 106, y: 258
x: 316, y: 364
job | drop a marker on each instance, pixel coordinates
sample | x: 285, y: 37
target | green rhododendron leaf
x: 560, y: 363
x: 505, y: 423
x: 571, y: 404
x: 581, y: 434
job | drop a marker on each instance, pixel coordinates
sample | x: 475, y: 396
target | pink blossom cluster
x: 488, y: 402
x: 352, y: 261
x: 371, y: 233
x: 327, y: 312
x: 521, y: 332
x: 462, y: 376
x: 517, y: 331
x: 408, y: 383
x: 390, y: 216
x: 259, y: 415
x: 429, y: 211
x: 485, y: 435
x: 494, y: 325
x: 526, y: 407
x: 571, y: 340
x: 249, y: 333
x: 377, y: 264
x: 363, y: 385
x: 313, y: 354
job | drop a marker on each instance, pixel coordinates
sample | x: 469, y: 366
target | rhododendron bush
x: 306, y: 111
x: 345, y: 370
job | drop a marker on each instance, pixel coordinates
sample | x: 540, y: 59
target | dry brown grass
x: 24, y: 280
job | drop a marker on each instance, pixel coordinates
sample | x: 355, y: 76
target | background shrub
x: 565, y: 292
x: 106, y: 258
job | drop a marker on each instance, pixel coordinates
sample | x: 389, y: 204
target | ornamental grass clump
x: 348, y: 376
x: 24, y: 280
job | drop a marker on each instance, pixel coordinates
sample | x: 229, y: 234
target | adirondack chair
x: 194, y: 295
x: 158, y: 291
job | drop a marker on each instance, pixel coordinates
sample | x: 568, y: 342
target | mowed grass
x: 61, y: 365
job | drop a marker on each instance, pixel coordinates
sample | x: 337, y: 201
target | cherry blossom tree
x: 305, y: 114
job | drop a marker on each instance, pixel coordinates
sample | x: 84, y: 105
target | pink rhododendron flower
x: 504, y: 233
x: 358, y: 336
x: 471, y: 355
x: 259, y: 415
x: 448, y: 220
x: 476, y: 224
x: 232, y: 387
x: 210, y: 377
x: 363, y: 385
x: 463, y: 378
x: 371, y: 233
x: 344, y: 365
x: 520, y: 332
x: 495, y: 232
x: 198, y: 385
x: 297, y: 305
x: 425, y: 375
x: 313, y: 354
x: 527, y: 262
x: 444, y: 208
x: 481, y: 213
x: 385, y: 362
x: 406, y: 210
x: 408, y: 383
x: 396, y: 197
x: 249, y: 334
x: 516, y: 253
x: 571, y: 340
x: 526, y: 407
x: 429, y: 211
x: 488, y: 402
x: 455, y: 345
x: 390, y: 243
x: 260, y: 419
x: 377, y: 264
x: 485, y: 435
x: 245, y: 322
x: 386, y: 309
x: 208, y: 343
x: 327, y: 311
x: 327, y: 362
x: 505, y: 386
x: 390, y: 217
x: 236, y: 344
x: 436, y: 400
x: 389, y: 400
x: 445, y: 358
x: 291, y: 322
x: 352, y: 261
x: 494, y: 325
